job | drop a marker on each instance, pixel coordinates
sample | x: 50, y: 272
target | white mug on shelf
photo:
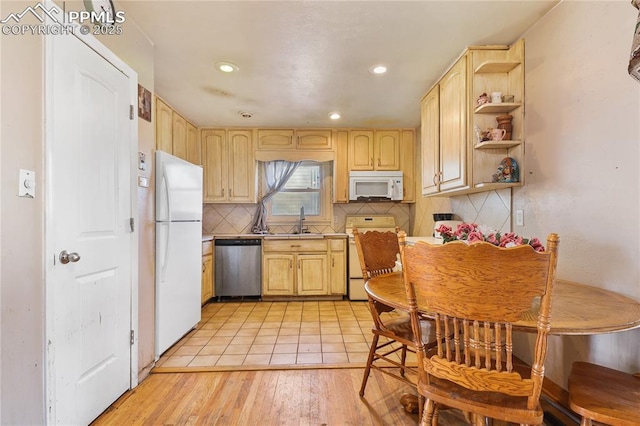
x: 496, y: 97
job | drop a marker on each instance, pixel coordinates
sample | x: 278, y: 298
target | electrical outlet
x: 519, y: 217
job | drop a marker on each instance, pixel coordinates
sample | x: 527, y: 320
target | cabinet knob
x: 379, y: 162
x: 371, y: 161
x: 290, y: 264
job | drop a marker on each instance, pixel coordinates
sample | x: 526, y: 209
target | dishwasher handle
x: 238, y: 242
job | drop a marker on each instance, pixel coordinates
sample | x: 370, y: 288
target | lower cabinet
x: 303, y: 267
x: 207, y: 271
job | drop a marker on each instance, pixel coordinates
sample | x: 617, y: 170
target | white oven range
x: 364, y: 223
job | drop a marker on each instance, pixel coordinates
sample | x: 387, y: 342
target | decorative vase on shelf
x: 504, y: 122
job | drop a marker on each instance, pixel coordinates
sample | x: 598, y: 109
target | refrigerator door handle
x: 167, y: 189
x: 165, y: 249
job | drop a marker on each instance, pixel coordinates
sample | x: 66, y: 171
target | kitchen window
x: 309, y: 187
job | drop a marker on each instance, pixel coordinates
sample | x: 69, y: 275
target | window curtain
x: 634, y: 60
x: 276, y: 174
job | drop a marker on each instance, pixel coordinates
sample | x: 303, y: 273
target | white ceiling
x: 299, y: 60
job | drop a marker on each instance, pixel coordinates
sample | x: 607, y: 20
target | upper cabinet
x: 164, y: 127
x: 374, y: 150
x: 287, y: 139
x: 229, y: 166
x: 457, y: 157
x: 175, y: 135
x: 194, y: 154
x: 341, y: 168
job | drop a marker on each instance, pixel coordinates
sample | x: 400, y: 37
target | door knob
x: 66, y: 257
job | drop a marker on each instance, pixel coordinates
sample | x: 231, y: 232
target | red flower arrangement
x: 472, y: 233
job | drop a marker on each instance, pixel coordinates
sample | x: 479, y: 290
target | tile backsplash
x: 491, y: 208
x: 238, y: 218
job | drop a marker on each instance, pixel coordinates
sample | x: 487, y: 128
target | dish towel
x: 634, y: 60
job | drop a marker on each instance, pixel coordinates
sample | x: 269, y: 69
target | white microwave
x: 374, y: 186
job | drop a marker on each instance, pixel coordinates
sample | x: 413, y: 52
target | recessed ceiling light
x: 334, y: 115
x: 226, y: 67
x: 245, y: 114
x: 378, y: 69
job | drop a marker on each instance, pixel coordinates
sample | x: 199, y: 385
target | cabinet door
x: 408, y: 164
x: 214, y: 160
x: 313, y: 139
x: 386, y: 150
x: 207, y: 278
x: 179, y: 136
x: 338, y: 276
x: 275, y: 139
x: 193, y: 145
x: 278, y: 274
x: 164, y: 127
x: 341, y: 168
x: 361, y: 150
x: 453, y: 127
x: 430, y: 141
x: 242, y: 167
x: 312, y: 274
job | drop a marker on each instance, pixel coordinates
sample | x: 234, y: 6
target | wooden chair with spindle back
x: 604, y: 395
x: 476, y: 293
x: 378, y: 252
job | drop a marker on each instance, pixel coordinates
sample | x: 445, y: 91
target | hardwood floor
x: 271, y: 397
x: 280, y: 397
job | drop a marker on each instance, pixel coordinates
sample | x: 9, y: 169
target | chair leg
x: 372, y: 352
x: 421, y: 402
x: 428, y: 413
x: 585, y: 422
x: 403, y: 359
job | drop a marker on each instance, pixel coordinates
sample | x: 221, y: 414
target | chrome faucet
x: 300, y: 228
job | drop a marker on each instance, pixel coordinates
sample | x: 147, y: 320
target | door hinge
x: 131, y: 338
x: 131, y: 112
x: 131, y: 224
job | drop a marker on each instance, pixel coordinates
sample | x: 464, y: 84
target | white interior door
x: 89, y: 206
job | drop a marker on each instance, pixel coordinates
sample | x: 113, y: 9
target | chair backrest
x: 475, y: 292
x: 377, y: 251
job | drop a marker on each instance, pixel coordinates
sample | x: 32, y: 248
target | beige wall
x: 22, y: 309
x: 583, y: 139
x: 134, y: 48
x: 21, y: 230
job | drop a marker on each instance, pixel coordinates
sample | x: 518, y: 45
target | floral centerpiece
x: 472, y: 233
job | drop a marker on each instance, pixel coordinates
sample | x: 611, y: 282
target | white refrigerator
x: 178, y: 249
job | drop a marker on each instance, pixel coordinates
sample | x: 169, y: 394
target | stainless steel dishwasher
x: 238, y: 267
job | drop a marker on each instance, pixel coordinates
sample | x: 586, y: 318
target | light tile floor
x: 258, y: 333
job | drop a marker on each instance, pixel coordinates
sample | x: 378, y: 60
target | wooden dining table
x: 576, y: 309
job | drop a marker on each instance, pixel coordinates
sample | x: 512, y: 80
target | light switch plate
x: 143, y: 181
x: 27, y: 184
x: 519, y: 217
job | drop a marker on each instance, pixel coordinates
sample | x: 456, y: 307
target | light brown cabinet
x: 374, y: 150
x: 338, y: 265
x: 304, y: 267
x: 453, y: 160
x: 314, y: 139
x: 164, y: 126
x: 179, y: 141
x: 229, y: 166
x: 175, y: 135
x: 296, y: 139
x: 207, y: 271
x: 341, y: 168
x: 193, y: 145
x: 408, y: 164
x: 296, y: 267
